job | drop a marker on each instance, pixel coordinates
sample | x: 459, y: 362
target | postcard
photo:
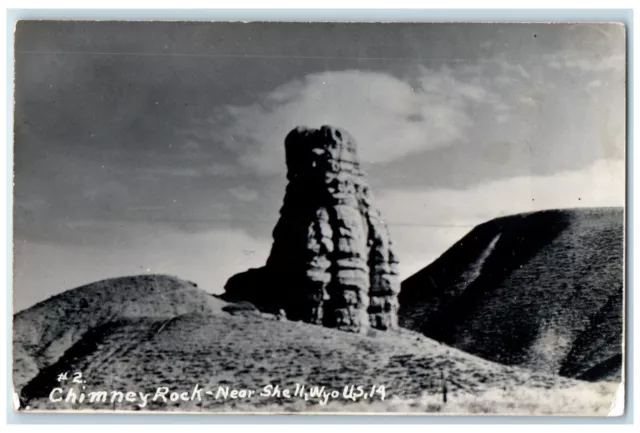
x: 296, y: 217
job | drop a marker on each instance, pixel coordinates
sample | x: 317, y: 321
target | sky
x: 144, y: 147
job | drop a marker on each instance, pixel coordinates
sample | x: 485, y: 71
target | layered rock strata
x: 332, y: 261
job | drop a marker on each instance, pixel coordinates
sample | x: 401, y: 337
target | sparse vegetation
x: 542, y: 290
x: 216, y: 348
x: 141, y: 333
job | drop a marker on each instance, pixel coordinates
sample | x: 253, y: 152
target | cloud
x: 154, y: 172
x: 393, y: 116
x: 206, y: 258
x: 390, y: 117
x: 424, y: 223
x: 594, y: 84
x: 243, y: 193
x: 571, y: 59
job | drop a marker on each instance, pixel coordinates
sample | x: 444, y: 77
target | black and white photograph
x: 319, y: 217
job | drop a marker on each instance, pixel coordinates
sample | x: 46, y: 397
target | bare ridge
x: 542, y: 290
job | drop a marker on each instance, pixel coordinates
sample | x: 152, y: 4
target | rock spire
x: 332, y: 261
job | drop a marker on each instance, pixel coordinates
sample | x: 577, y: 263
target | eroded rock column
x: 332, y: 258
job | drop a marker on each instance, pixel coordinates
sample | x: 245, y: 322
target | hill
x: 141, y: 333
x: 45, y: 331
x: 542, y: 290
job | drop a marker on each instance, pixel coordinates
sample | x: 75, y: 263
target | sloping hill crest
x: 42, y: 333
x: 541, y: 290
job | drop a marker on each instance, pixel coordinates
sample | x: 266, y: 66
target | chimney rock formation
x: 332, y: 261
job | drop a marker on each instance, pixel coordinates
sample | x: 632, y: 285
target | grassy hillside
x: 45, y: 331
x: 540, y: 290
x: 147, y: 332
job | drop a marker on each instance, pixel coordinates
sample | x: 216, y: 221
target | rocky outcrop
x: 332, y: 261
x: 181, y: 334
